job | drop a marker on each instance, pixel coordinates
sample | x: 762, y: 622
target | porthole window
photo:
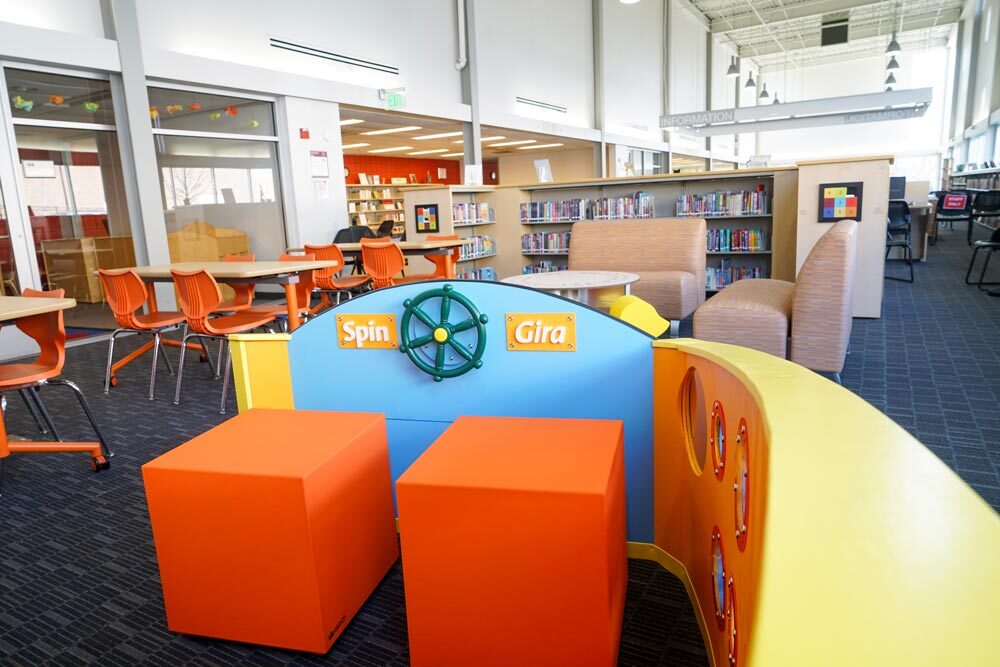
x: 741, y: 487
x: 694, y: 419
x: 719, y: 578
x: 718, y: 439
x: 731, y: 622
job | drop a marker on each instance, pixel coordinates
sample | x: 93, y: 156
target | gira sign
x: 541, y: 332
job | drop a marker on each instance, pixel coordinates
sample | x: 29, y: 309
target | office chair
x: 898, y: 225
x: 952, y: 206
x: 986, y: 205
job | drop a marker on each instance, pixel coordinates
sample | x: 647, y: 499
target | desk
x: 410, y: 248
x: 280, y: 273
x: 597, y: 289
x: 13, y: 308
x: 923, y: 221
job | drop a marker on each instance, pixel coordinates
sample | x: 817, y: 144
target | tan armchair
x: 668, y: 254
x: 815, y: 310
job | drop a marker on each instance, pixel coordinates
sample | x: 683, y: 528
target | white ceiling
x: 379, y: 120
x: 775, y: 32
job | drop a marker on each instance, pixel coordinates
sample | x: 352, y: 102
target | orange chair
x: 383, y: 260
x: 327, y: 280
x: 440, y: 262
x: 199, y: 299
x: 243, y: 292
x: 126, y: 294
x: 49, y: 333
x: 303, y: 293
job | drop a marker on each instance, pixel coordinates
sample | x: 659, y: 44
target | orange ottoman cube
x: 513, y: 540
x: 273, y: 527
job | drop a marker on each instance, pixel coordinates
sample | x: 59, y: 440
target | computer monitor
x: 897, y: 187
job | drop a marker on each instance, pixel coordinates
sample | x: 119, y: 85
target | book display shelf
x: 373, y: 204
x: 974, y: 181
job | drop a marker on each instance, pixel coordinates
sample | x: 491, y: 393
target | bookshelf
x: 372, y: 204
x: 975, y: 180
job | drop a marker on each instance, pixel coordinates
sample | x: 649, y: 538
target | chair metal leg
x: 156, y: 354
x: 86, y: 410
x: 166, y: 360
x: 33, y: 392
x: 222, y: 343
x: 836, y: 378
x: 180, y: 366
x: 31, y: 408
x: 982, y: 274
x: 972, y: 261
x: 225, y: 380
x: 111, y: 357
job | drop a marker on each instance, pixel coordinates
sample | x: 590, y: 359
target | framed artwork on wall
x: 427, y: 218
x: 839, y: 201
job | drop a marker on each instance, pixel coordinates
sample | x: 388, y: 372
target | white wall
x: 78, y: 16
x: 986, y: 73
x: 537, y: 50
x: 633, y: 65
x: 420, y: 38
x: 921, y: 135
x: 688, y: 59
x: 312, y: 218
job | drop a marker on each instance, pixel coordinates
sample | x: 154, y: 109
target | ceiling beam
x: 812, y: 39
x: 798, y: 11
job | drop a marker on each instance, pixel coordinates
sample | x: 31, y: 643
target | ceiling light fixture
x: 734, y: 70
x: 436, y: 150
x: 346, y: 146
x: 390, y: 150
x: 776, y: 99
x: 453, y: 155
x: 890, y: 79
x: 438, y: 136
x: 750, y: 82
x: 351, y: 121
x: 514, y: 143
x: 764, y: 94
x: 894, y: 46
x: 482, y: 139
x: 392, y: 130
x: 629, y: 2
x: 888, y: 89
x: 528, y: 148
x: 892, y: 63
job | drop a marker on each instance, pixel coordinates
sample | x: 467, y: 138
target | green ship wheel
x: 441, y: 332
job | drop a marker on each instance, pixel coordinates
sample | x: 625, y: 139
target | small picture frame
x: 839, y: 201
x: 426, y: 217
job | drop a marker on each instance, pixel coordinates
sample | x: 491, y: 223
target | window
x: 218, y: 162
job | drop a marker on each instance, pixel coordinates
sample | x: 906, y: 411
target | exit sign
x: 395, y: 98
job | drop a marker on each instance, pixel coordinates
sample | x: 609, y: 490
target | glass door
x: 70, y: 181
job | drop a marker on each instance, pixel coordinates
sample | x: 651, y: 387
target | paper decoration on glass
x: 427, y: 218
x: 839, y: 201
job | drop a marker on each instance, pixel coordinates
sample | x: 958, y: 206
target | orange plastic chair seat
x: 347, y: 282
x: 161, y: 318
x: 273, y: 527
x: 240, y: 322
x: 513, y: 540
x: 232, y: 305
x: 275, y: 310
x: 15, y: 376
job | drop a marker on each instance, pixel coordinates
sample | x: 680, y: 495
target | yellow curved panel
x: 863, y: 547
x: 261, y: 374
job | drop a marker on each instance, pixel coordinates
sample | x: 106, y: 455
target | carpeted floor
x: 78, y: 576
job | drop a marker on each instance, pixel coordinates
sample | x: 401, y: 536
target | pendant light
x: 776, y: 99
x: 888, y: 89
x: 890, y: 79
x: 763, y: 93
x: 892, y: 63
x: 894, y: 46
x: 734, y: 70
x: 750, y: 82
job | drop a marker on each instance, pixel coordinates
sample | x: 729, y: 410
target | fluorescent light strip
x: 453, y: 155
x: 361, y: 145
x: 438, y: 136
x: 514, y: 143
x: 528, y: 148
x: 436, y: 150
x: 392, y: 130
x: 351, y: 121
x: 390, y: 150
x: 483, y: 139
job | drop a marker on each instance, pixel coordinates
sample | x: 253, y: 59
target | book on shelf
x: 376, y: 179
x: 351, y: 207
x: 398, y: 180
x: 626, y: 207
x: 636, y: 205
x: 543, y: 267
x: 717, y: 277
x: 723, y: 204
x: 469, y: 213
x: 481, y: 245
x: 735, y: 240
x: 363, y: 179
x: 484, y: 273
x: 566, y: 210
x: 542, y: 242
x: 362, y: 219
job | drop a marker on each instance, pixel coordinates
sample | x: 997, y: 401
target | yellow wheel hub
x: 440, y: 334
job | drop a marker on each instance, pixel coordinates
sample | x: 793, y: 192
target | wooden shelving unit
x: 374, y: 217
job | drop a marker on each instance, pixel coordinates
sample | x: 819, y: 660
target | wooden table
x: 593, y: 288
x: 278, y: 273
x: 13, y: 308
x: 410, y: 248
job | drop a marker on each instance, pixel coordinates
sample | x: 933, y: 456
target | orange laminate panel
x: 513, y: 539
x: 273, y: 527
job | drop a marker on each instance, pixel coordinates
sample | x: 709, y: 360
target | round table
x: 594, y: 288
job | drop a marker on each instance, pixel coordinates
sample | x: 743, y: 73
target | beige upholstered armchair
x: 815, y: 310
x: 668, y: 254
